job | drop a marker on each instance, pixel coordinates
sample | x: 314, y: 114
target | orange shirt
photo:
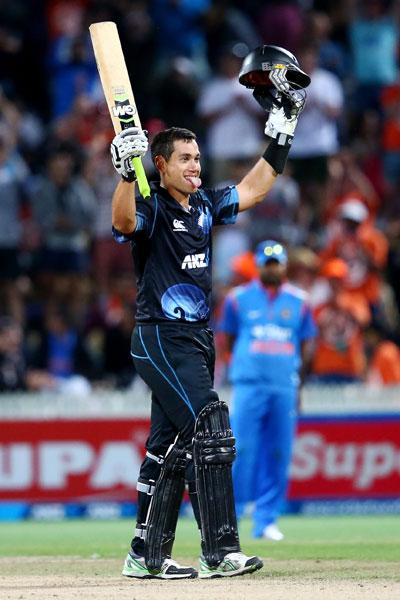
x: 385, y: 364
x: 367, y: 247
x: 339, y: 346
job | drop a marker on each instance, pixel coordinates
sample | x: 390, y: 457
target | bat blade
x: 117, y: 86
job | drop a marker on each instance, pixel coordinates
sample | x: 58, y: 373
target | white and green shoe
x: 234, y: 563
x: 135, y: 566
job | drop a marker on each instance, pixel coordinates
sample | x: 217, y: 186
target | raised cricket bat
x: 117, y: 87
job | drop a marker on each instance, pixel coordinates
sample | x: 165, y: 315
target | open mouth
x: 194, y: 181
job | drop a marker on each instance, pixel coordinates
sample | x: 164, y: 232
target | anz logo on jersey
x: 194, y: 261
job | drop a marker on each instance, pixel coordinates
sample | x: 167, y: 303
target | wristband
x: 277, y: 152
x: 130, y: 178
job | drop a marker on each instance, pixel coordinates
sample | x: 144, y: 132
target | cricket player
x: 172, y: 345
x: 269, y: 327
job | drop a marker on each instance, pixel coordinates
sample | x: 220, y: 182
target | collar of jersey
x: 156, y: 187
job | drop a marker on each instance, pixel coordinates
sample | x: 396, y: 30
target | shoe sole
x: 174, y: 576
x: 244, y: 571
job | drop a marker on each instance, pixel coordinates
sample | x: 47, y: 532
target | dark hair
x: 163, y: 142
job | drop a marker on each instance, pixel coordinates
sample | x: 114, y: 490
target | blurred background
x: 67, y: 299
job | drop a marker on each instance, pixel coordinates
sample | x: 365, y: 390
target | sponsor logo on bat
x: 124, y: 110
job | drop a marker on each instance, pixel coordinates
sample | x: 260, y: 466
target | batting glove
x: 130, y: 143
x: 278, y: 123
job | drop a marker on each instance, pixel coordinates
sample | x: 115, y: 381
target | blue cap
x: 270, y: 250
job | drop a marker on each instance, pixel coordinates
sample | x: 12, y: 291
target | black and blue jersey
x: 172, y: 251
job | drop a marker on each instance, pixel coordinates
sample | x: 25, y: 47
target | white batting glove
x: 130, y: 143
x: 284, y: 119
x: 278, y: 123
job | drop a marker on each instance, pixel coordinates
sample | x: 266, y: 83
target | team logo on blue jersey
x: 286, y: 313
x: 185, y: 301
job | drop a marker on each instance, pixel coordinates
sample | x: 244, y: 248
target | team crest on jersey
x: 178, y: 225
x: 286, y: 313
x: 194, y: 261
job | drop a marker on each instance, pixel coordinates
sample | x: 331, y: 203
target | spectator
x: 13, y: 193
x: 303, y: 268
x: 383, y: 358
x: 317, y: 132
x: 231, y: 114
x: 107, y: 256
x: 364, y: 249
x: 64, y: 208
x: 227, y: 24
x: 374, y: 45
x: 61, y: 352
x: 339, y: 353
x: 176, y: 94
x: 179, y: 32
x: 332, y: 55
x: 14, y: 372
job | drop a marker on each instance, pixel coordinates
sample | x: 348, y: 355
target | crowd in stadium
x: 67, y: 298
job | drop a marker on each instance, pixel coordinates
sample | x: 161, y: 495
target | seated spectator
x: 14, y: 373
x: 339, y: 353
x: 59, y: 349
x: 364, y: 249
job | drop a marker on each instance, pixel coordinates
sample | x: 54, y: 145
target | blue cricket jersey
x: 172, y: 252
x: 269, y: 331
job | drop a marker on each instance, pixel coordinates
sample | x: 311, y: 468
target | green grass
x: 349, y: 547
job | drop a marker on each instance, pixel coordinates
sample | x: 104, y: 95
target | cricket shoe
x: 135, y: 566
x: 271, y: 532
x: 234, y: 563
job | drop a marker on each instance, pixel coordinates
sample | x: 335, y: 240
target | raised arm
x: 256, y: 184
x: 128, y: 144
x: 259, y: 180
x: 124, y: 207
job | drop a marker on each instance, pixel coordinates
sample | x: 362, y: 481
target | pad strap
x: 164, y: 508
x: 214, y: 452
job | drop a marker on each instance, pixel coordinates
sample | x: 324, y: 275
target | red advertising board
x: 88, y: 460
x: 62, y: 460
x: 354, y: 457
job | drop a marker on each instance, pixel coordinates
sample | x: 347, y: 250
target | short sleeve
x: 145, y: 216
x: 229, y: 316
x: 308, y: 328
x: 225, y: 205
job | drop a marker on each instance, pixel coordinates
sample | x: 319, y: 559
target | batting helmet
x: 258, y: 64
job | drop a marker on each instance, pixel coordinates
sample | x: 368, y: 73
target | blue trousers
x: 263, y: 422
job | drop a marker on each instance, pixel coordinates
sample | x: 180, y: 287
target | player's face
x: 272, y: 273
x: 182, y: 170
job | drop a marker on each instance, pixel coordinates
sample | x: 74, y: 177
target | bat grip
x: 143, y: 184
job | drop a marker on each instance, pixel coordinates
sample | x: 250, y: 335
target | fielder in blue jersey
x: 269, y: 329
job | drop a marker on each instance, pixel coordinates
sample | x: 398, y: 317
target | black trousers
x: 177, y: 363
